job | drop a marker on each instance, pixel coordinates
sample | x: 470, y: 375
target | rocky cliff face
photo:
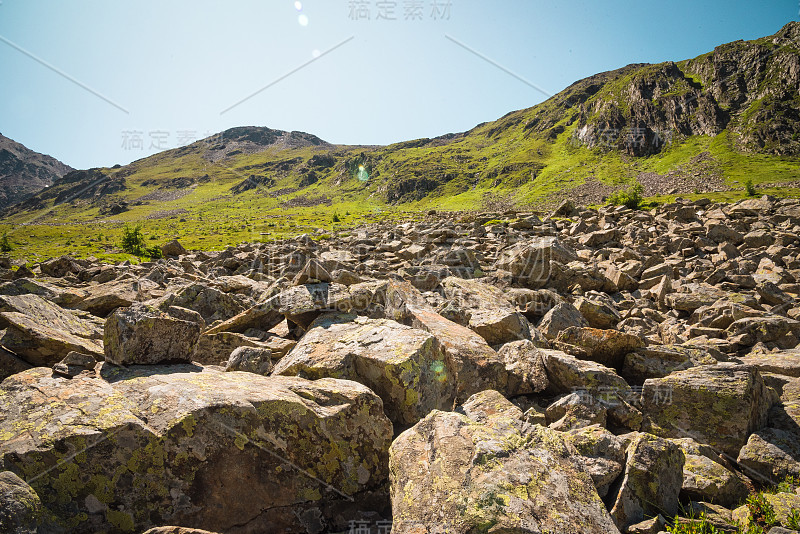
x: 24, y: 172
x: 748, y: 87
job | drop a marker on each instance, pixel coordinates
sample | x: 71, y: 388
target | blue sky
x: 137, y: 77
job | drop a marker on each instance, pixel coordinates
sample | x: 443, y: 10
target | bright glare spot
x: 316, y: 53
x: 298, y: 6
x: 360, y: 167
x: 303, y: 20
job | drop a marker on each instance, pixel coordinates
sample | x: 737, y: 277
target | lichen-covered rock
x: 706, y: 479
x: 184, y: 445
x: 531, y: 262
x: 575, y: 411
x: 652, y: 482
x: 300, y: 304
x: 658, y: 361
x: 256, y: 360
x: 215, y: 349
x: 720, y: 405
x: 408, y: 368
x: 211, y: 303
x: 567, y: 373
x: 452, y: 474
x: 102, y: 299
x: 771, y: 453
x: 601, y: 453
x: 493, y: 317
x: 144, y: 335
x: 478, y: 366
x: 42, y: 333
x: 785, y: 362
x: 173, y: 248
x: 20, y: 506
x: 526, y: 371
x: 597, y: 314
x: 561, y: 317
x: 607, y: 347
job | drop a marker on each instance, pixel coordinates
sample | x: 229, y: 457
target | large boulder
x: 102, y: 299
x: 144, y: 335
x: 493, y: 317
x: 42, y: 333
x: 408, y: 368
x: 211, y: 303
x: 567, y: 374
x: 720, y: 405
x: 706, y: 479
x: 300, y: 304
x: 525, y: 367
x: 182, y: 445
x: 214, y: 349
x: 601, y: 453
x: 607, y: 347
x: 652, y: 481
x: 478, y: 366
x: 558, y: 319
x: 453, y: 474
x: 785, y: 362
x: 531, y: 262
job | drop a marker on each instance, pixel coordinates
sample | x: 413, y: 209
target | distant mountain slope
x: 700, y: 125
x: 24, y: 172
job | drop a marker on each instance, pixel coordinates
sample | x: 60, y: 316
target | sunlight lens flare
x: 363, y: 175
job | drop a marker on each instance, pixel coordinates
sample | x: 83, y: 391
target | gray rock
x: 143, y: 335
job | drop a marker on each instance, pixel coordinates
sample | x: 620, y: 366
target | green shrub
x: 750, y: 188
x: 761, y: 512
x: 5, y: 246
x: 132, y: 239
x: 133, y: 242
x: 630, y: 197
x: 336, y: 218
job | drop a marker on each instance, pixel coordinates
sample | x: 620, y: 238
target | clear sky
x: 99, y: 82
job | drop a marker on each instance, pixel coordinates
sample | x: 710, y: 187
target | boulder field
x: 589, y: 371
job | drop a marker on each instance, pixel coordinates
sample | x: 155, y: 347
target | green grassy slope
x: 247, y: 184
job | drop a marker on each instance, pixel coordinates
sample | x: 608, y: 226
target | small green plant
x: 699, y: 525
x: 793, y: 521
x: 761, y: 512
x: 336, y: 218
x: 5, y: 246
x: 788, y: 485
x: 630, y: 198
x: 750, y: 188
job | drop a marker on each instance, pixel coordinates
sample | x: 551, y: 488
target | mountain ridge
x: 25, y: 172
x: 700, y: 126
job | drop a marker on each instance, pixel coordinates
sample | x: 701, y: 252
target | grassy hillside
x: 689, y: 128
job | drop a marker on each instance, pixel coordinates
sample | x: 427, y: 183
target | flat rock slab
x: 193, y: 447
